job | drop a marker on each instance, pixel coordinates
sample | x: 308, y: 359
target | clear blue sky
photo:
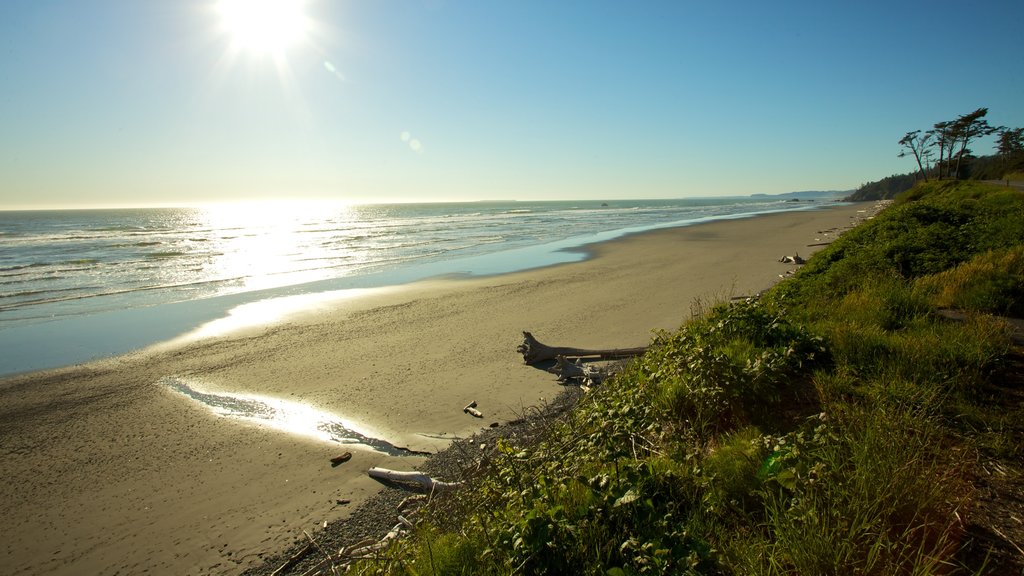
x: 129, y: 102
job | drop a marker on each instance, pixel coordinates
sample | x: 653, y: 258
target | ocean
x: 81, y: 284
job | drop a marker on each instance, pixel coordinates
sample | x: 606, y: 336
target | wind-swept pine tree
x: 917, y: 143
x: 969, y: 127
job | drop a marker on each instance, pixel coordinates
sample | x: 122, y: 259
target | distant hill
x: 884, y: 189
x: 808, y: 195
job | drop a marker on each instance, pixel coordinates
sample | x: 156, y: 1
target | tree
x: 942, y: 133
x: 917, y: 143
x: 950, y: 139
x: 1011, y: 147
x: 967, y: 128
x: 1010, y: 142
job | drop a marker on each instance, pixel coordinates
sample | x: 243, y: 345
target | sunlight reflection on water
x: 291, y: 417
x: 269, y: 244
x: 274, y: 309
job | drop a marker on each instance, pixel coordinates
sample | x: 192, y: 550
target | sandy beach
x: 109, y: 468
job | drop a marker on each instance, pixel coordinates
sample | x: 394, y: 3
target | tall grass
x: 992, y: 281
x: 875, y: 498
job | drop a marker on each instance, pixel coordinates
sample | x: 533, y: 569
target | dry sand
x: 108, y: 470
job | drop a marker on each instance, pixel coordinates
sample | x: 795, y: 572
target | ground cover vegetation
x: 841, y: 423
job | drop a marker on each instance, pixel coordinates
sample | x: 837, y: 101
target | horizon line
x: 313, y: 201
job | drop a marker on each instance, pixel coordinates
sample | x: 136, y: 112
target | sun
x: 264, y: 26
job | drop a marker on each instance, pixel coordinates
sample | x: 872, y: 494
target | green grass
x: 991, y: 281
x: 818, y: 430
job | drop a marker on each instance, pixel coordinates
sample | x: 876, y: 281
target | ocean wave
x: 339, y: 257
x: 101, y: 292
x: 25, y: 293
x: 23, y: 267
x: 48, y: 278
x: 129, y: 228
x: 67, y: 271
x: 167, y: 254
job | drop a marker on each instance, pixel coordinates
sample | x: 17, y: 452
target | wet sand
x: 109, y: 468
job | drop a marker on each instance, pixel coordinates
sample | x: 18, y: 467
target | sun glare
x: 264, y: 26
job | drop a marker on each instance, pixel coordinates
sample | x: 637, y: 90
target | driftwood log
x: 424, y: 482
x: 792, y: 259
x: 534, y: 351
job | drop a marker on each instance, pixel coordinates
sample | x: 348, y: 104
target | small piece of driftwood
x: 410, y: 500
x: 534, y: 351
x: 471, y: 409
x: 792, y: 259
x: 424, y: 482
x: 341, y: 459
x: 361, y: 551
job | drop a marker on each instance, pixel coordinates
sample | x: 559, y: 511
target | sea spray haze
x: 62, y: 267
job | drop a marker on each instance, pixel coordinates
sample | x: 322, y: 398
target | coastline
x: 108, y: 469
x: 51, y: 334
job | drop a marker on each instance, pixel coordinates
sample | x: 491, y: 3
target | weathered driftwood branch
x: 566, y: 371
x: 362, y: 550
x: 471, y: 409
x: 534, y: 351
x: 792, y: 259
x: 395, y: 532
x: 365, y: 549
x: 426, y: 483
x: 410, y: 500
x: 293, y: 560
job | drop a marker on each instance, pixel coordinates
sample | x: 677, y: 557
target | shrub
x: 734, y: 366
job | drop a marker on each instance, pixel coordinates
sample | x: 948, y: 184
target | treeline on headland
x: 863, y: 416
x: 943, y: 153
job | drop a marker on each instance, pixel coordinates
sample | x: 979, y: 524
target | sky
x: 184, y: 102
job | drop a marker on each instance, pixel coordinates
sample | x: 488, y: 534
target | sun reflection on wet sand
x: 284, y: 415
